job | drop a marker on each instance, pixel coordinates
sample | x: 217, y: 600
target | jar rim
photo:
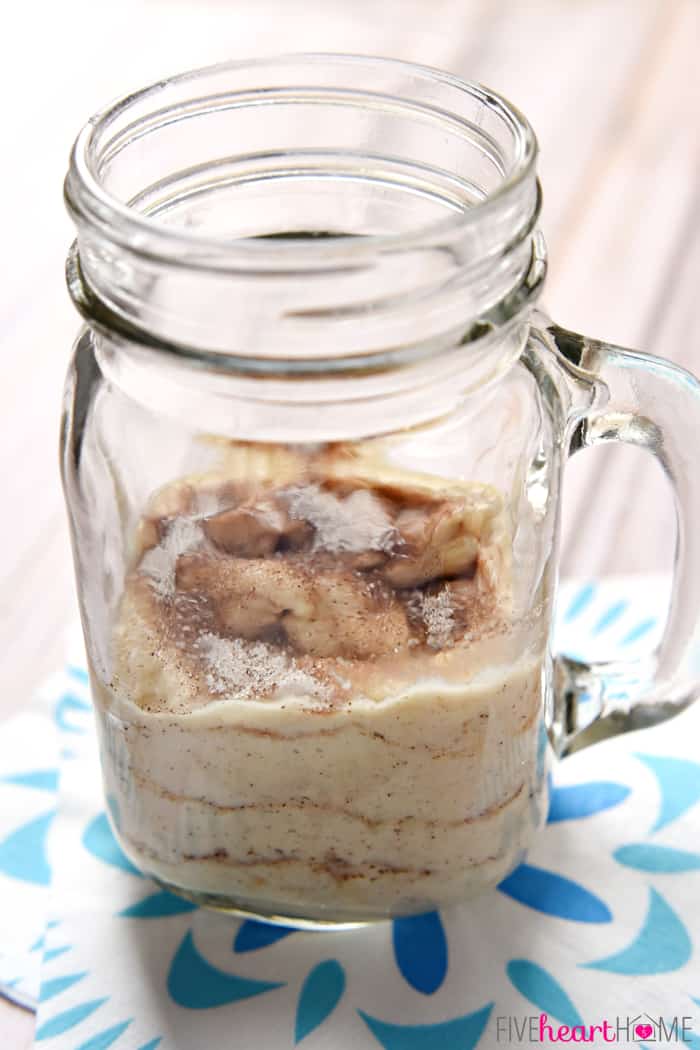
x: 89, y: 200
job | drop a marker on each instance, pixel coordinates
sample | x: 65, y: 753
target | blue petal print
x: 658, y: 860
x: 197, y: 985
x: 610, y: 616
x: 53, y: 953
x: 79, y: 673
x: 420, y: 948
x: 41, y: 779
x: 252, y: 935
x: 68, y: 1019
x: 23, y: 853
x: 56, y: 985
x: 113, y: 807
x: 462, y: 1033
x: 157, y: 906
x: 539, y: 988
x: 542, y: 741
x: 679, y: 784
x: 99, y: 840
x: 153, y: 1044
x: 579, y: 602
x: 639, y: 631
x: 583, y: 800
x: 661, y: 946
x: 66, y: 706
x: 38, y: 943
x: 553, y: 894
x: 106, y: 1038
x: 320, y: 994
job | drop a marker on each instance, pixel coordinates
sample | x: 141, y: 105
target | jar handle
x: 648, y: 402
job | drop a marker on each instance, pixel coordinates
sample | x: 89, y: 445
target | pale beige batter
x: 321, y: 706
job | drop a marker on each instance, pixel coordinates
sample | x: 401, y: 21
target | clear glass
x: 312, y: 454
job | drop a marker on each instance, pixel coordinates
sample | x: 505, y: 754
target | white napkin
x: 29, y: 761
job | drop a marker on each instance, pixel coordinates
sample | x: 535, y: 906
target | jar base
x: 239, y: 909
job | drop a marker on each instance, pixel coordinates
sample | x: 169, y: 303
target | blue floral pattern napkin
x: 596, y: 935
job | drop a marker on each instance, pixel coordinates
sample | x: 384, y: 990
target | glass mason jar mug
x: 312, y: 452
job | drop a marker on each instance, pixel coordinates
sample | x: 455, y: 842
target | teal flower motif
x: 320, y: 994
x: 253, y: 935
x: 157, y: 906
x: 657, y: 860
x: 554, y: 895
x: 67, y: 714
x: 661, y: 946
x: 41, y: 779
x: 99, y: 840
x: 679, y: 786
x: 197, y: 985
x: 542, y: 990
x: 610, y: 616
x: 79, y: 674
x: 574, y: 801
x: 23, y: 852
x: 587, y: 617
x: 581, y: 600
x: 663, y: 943
x: 420, y: 949
x: 639, y: 631
x: 461, y: 1032
x: 68, y: 1019
x: 56, y: 985
x: 104, y: 1040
